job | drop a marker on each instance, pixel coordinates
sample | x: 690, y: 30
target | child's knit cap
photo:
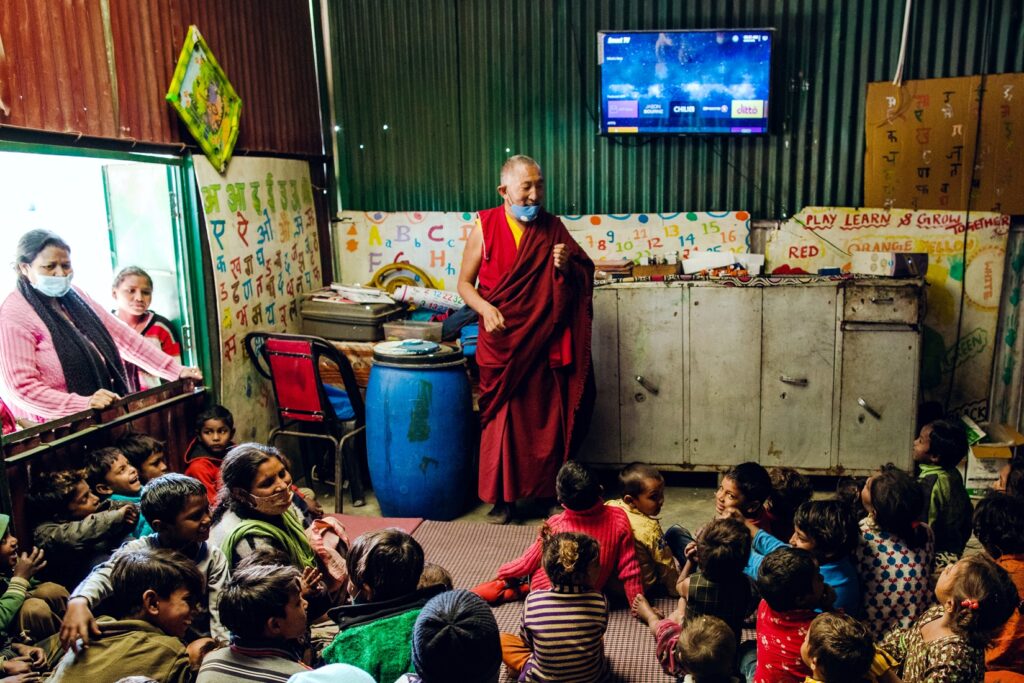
x: 455, y: 638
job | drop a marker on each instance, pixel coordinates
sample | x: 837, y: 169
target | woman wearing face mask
x: 60, y: 351
x: 254, y: 507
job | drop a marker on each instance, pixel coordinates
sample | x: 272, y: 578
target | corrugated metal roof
x: 461, y: 81
x: 56, y: 75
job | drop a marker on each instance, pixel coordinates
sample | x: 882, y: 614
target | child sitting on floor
x: 838, y: 649
x: 76, y: 531
x: 947, y: 643
x: 790, y: 490
x: 792, y: 590
x: 145, y: 454
x: 153, y: 594
x: 585, y: 512
x: 719, y: 589
x: 112, y: 477
x: 263, y: 608
x: 705, y: 652
x: 181, y: 517
x: 828, y: 530
x: 562, y: 634
x: 895, y: 553
x: 27, y: 606
x: 455, y: 638
x: 938, y: 450
x: 375, y: 631
x: 746, y: 487
x: 998, y: 524
x: 435, y: 575
x: 643, y: 494
x: 215, y: 433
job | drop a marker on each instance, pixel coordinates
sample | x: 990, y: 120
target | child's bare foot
x: 645, y: 612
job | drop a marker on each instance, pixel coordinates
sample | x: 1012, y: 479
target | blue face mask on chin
x: 525, y: 214
x: 52, y: 285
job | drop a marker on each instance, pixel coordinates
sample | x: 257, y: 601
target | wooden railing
x: 166, y: 413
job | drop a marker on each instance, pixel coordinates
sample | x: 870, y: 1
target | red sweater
x: 609, y: 526
x: 779, y: 637
x: 204, y: 466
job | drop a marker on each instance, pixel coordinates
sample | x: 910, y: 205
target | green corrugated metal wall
x: 461, y: 84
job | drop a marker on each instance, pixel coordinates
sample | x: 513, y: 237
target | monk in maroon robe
x: 535, y: 308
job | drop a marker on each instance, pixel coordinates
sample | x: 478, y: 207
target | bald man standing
x: 534, y: 303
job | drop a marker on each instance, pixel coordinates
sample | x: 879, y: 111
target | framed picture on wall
x: 205, y: 100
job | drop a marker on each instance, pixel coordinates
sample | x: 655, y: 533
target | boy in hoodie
x: 215, y: 433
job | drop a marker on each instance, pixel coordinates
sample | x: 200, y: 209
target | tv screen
x: 684, y: 82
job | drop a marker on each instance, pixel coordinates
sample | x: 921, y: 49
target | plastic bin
x: 412, y: 329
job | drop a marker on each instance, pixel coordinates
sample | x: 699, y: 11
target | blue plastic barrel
x: 418, y: 408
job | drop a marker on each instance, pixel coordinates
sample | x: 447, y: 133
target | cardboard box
x: 981, y: 467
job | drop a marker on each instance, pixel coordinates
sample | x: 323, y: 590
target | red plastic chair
x: 292, y: 364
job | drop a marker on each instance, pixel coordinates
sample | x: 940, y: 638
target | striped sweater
x: 564, y: 627
x: 256, y: 661
x: 610, y: 527
x: 31, y: 377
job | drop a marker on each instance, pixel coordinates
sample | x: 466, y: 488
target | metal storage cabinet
x: 880, y: 366
x: 602, y: 442
x: 798, y: 342
x: 723, y: 375
x: 650, y: 372
x: 819, y: 376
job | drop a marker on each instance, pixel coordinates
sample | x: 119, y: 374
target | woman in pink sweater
x: 60, y: 352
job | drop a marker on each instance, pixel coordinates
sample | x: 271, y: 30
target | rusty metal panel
x: 526, y: 81
x: 101, y: 68
x: 53, y: 72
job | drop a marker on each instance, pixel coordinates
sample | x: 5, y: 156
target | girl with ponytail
x: 562, y: 636
x: 947, y: 643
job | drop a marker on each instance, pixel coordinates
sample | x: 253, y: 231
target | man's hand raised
x: 560, y: 255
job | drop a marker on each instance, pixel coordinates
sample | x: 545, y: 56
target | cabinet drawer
x: 880, y: 303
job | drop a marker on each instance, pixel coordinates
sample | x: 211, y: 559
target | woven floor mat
x: 473, y: 552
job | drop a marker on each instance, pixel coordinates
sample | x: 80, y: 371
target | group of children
x: 776, y: 587
x: 848, y: 588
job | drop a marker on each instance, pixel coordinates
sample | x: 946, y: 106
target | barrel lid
x: 415, y: 352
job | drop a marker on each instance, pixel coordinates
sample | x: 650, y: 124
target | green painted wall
x: 459, y: 82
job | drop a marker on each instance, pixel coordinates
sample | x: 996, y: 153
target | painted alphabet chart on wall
x: 261, y: 223
x: 822, y: 237
x: 434, y: 241
x: 925, y: 151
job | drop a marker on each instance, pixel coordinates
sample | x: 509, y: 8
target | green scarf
x: 291, y: 539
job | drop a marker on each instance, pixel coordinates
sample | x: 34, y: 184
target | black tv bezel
x: 602, y: 132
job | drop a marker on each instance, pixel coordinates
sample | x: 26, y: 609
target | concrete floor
x: 689, y: 501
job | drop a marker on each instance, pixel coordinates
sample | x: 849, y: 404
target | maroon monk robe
x: 536, y: 384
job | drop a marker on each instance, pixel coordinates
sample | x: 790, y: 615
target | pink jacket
x: 31, y: 378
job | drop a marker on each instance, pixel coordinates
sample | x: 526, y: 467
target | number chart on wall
x: 434, y: 241
x: 261, y: 224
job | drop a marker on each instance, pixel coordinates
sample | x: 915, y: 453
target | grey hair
x: 33, y: 242
x: 514, y: 162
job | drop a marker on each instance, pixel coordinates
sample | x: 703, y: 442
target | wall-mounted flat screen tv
x: 685, y: 82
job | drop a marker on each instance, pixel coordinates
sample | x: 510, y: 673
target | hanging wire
x: 985, y: 46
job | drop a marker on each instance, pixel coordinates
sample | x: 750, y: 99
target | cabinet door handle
x: 881, y: 301
x: 796, y: 381
x: 868, y: 409
x: 646, y: 385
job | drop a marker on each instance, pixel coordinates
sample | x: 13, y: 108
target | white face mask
x: 274, y: 504
x: 52, y: 285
